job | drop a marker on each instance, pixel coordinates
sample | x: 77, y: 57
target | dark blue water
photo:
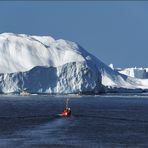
x: 96, y: 122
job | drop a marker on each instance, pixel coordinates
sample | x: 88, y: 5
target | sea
x: 99, y: 121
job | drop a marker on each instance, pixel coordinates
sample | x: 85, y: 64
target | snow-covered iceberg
x: 140, y: 73
x: 44, y: 65
x: 41, y: 64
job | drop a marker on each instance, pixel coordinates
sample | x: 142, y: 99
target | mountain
x: 41, y: 64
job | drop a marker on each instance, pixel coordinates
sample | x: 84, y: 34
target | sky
x: 115, y: 32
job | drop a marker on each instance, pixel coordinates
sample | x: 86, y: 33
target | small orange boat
x: 67, y: 111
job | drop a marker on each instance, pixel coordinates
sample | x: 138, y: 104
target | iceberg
x: 42, y: 64
x: 140, y: 73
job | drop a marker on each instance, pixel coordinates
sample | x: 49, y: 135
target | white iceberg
x: 45, y: 65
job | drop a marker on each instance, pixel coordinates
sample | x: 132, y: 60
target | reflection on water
x: 96, y: 121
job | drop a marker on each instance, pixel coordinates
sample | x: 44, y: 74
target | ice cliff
x: 41, y: 64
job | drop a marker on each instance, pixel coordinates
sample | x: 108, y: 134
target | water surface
x: 96, y: 122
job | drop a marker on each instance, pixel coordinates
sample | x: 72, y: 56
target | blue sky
x: 115, y: 32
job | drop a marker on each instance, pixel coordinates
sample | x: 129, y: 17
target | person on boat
x: 65, y: 110
x: 69, y: 111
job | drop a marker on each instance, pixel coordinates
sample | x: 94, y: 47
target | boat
x: 67, y: 111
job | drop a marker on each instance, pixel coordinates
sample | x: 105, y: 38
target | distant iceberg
x: 141, y: 73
